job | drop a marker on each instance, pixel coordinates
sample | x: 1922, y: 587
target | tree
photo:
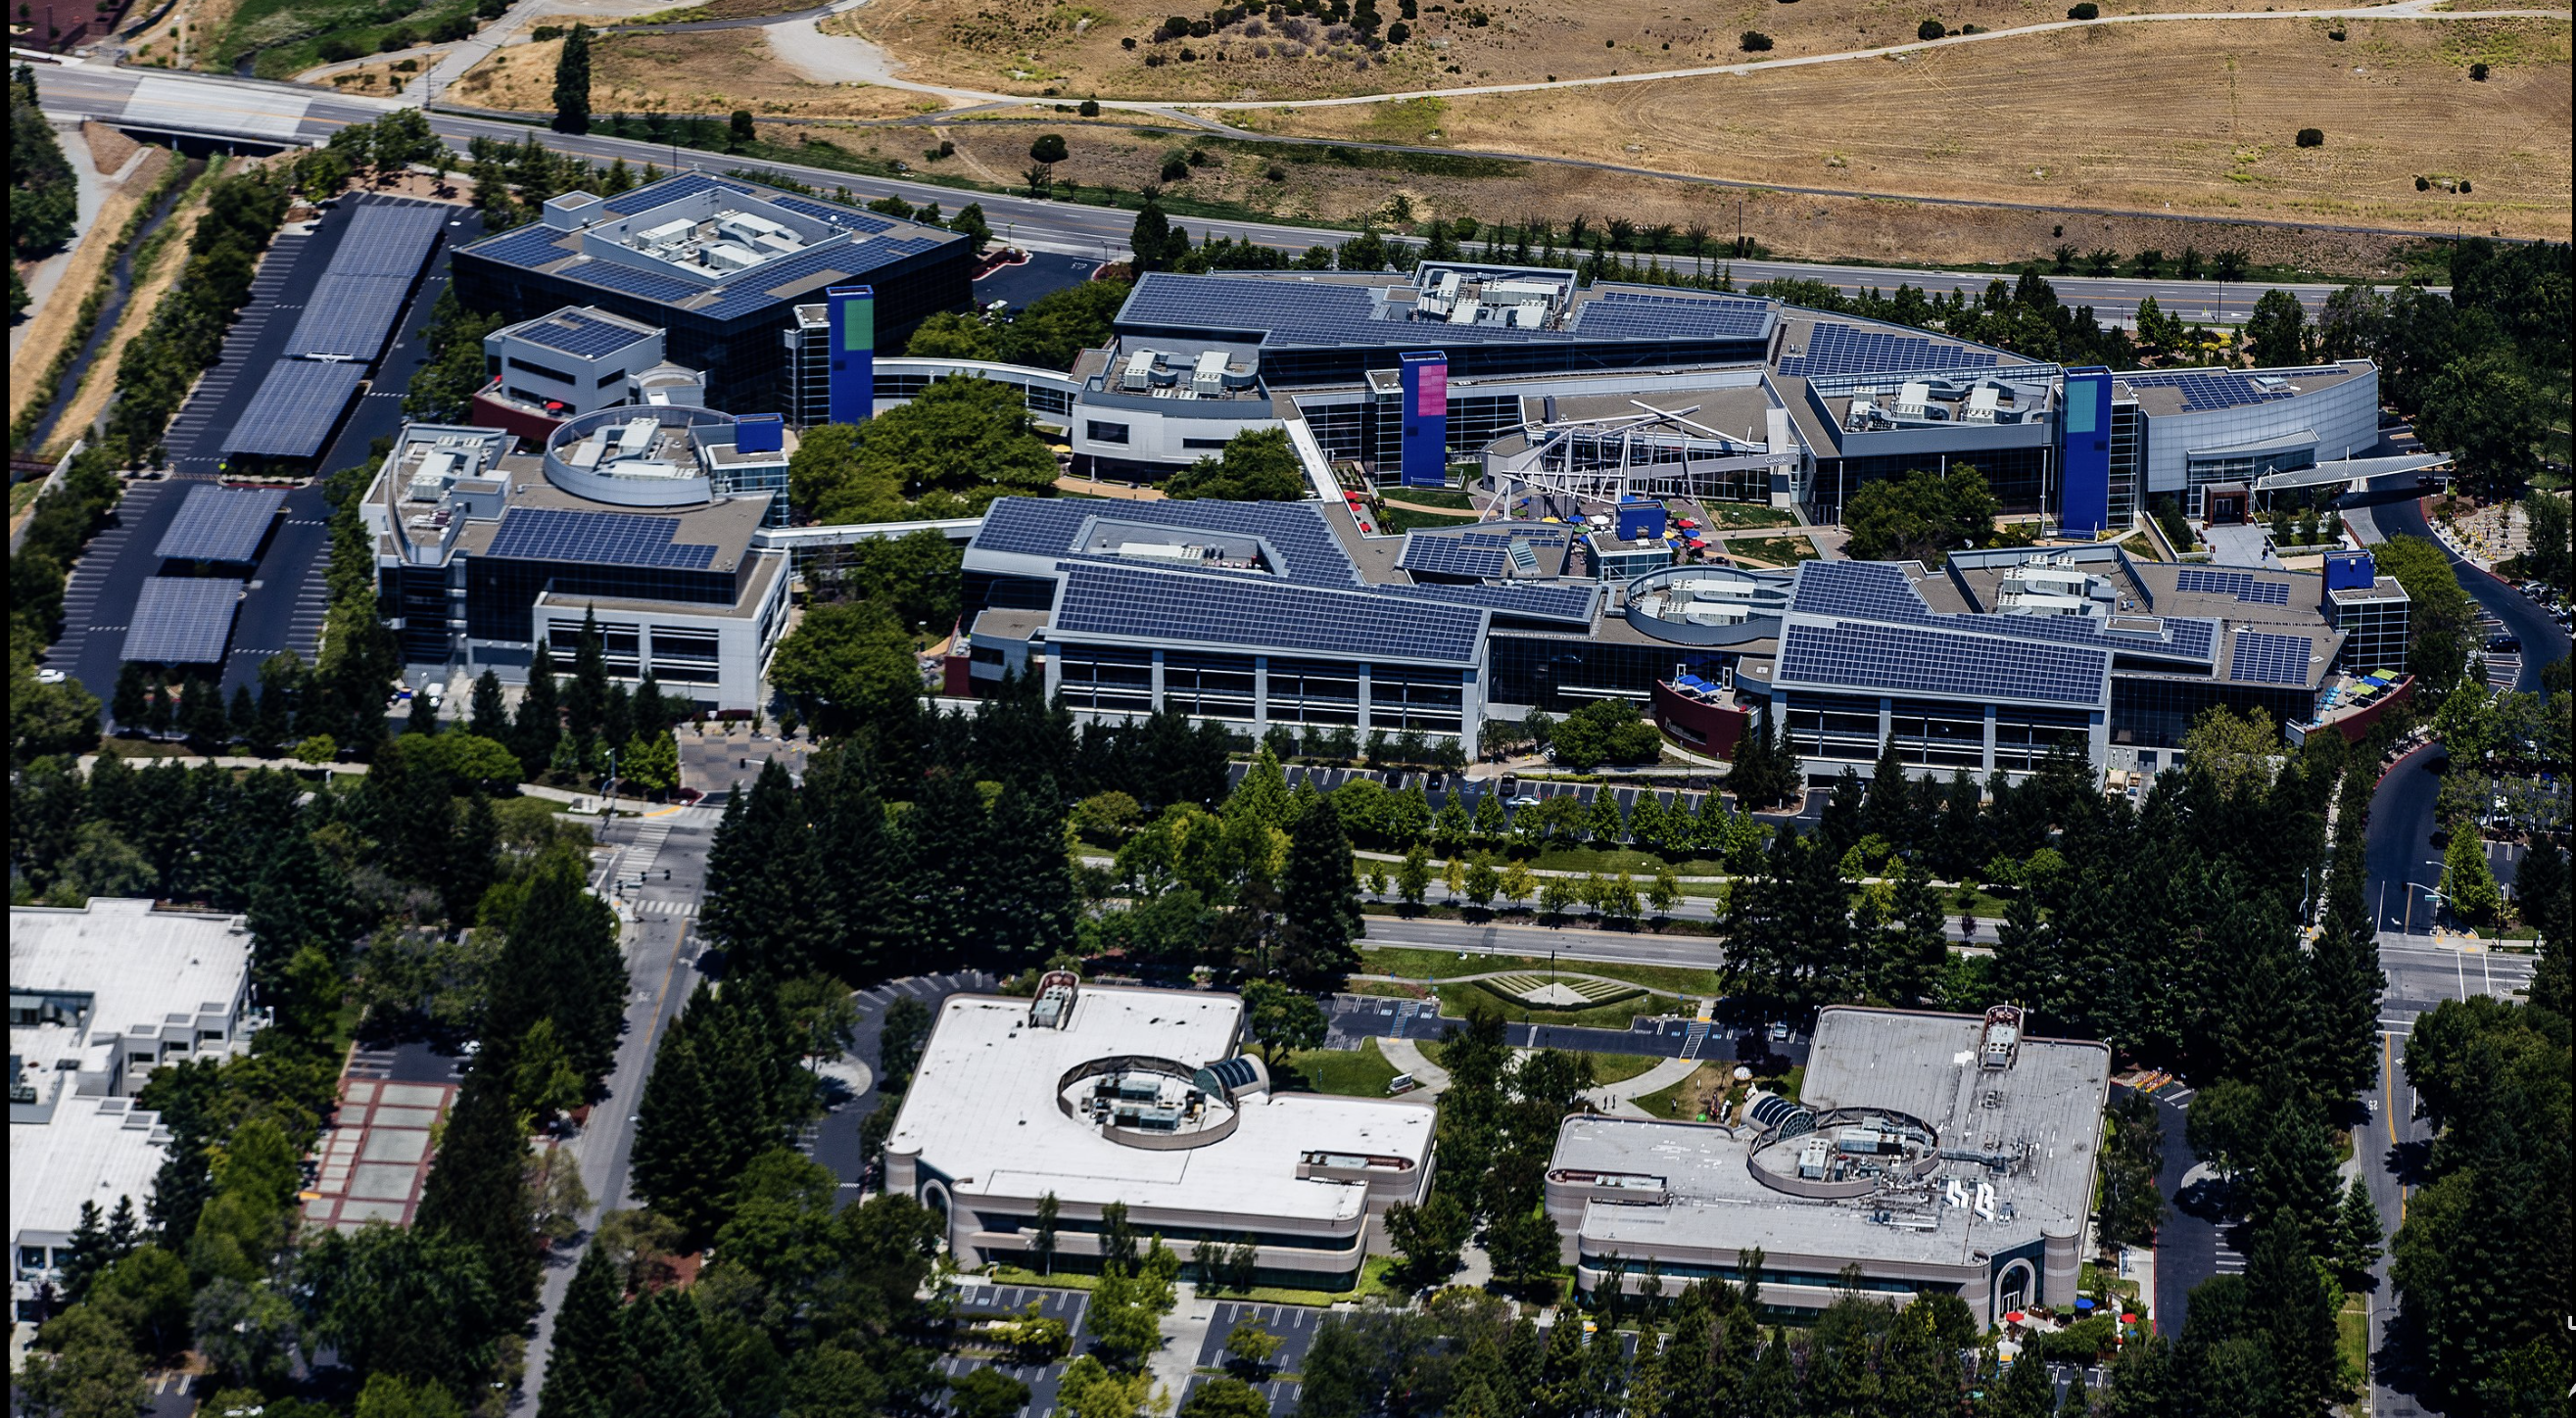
x: 1922, y: 516
x: 2278, y: 329
x: 847, y: 664
x: 2441, y: 626
x: 1225, y: 1396
x: 2358, y: 1234
x: 1042, y: 1235
x: 1428, y: 1237
x: 1321, y: 902
x: 948, y: 335
x: 741, y: 129
x: 476, y: 1192
x: 2484, y: 410
x: 586, y: 1365
x: 1280, y: 1019
x: 81, y: 1366
x: 1249, y: 1349
x: 572, y: 82
x: 2467, y: 880
x: 957, y: 445
x: 1151, y: 235
x: 1606, y: 730
x: 1060, y: 325
x: 1257, y: 465
x: 987, y: 1393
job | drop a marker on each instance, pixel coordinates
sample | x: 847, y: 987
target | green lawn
x: 1618, y: 1068
x: 287, y: 35
x: 1405, y: 519
x: 1778, y: 551
x: 1457, y: 1001
x: 1418, y: 964
x: 1352, y: 1073
x: 1433, y: 497
x: 2352, y: 1341
x: 1735, y: 516
x: 1668, y: 1102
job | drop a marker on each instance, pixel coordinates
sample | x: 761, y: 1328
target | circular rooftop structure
x: 637, y: 455
x: 1706, y: 605
x: 1160, y: 1105
x: 1843, y: 1152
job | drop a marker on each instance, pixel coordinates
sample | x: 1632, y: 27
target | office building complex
x: 646, y: 517
x: 1093, y: 1095
x: 99, y: 996
x: 718, y: 264
x: 1933, y: 1153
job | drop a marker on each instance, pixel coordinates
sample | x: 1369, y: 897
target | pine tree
x: 560, y: 960
x: 572, y: 83
x: 487, y: 714
x: 1320, y: 900
x: 2288, y: 1296
x: 2358, y: 1236
x: 1887, y: 813
x: 867, y: 877
x: 539, y: 725
x: 2292, y: 1176
x: 2346, y: 979
x: 680, y: 1134
x: 767, y: 893
x: 586, y: 699
x: 668, y: 1375
x: 1027, y: 901
x: 1913, y: 951
x: 586, y: 1365
x: 477, y: 1187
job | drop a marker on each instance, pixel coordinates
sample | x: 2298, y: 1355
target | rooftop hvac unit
x: 725, y: 256
x: 1207, y: 377
x: 1981, y: 404
x: 1912, y: 397
x: 1140, y: 371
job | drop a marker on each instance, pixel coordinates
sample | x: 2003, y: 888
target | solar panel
x: 596, y: 539
x: 349, y: 316
x: 832, y: 212
x: 181, y: 620
x: 1567, y: 603
x: 2241, y: 585
x: 669, y: 189
x: 220, y: 524
x: 295, y: 409
x: 1835, y: 349
x: 388, y: 239
x: 1877, y: 590
x: 609, y: 275
x: 1860, y: 655
x: 1217, y: 610
x: 2269, y: 659
x: 1052, y: 527
x: 1453, y: 556
x: 579, y: 333
x: 1637, y: 315
x: 526, y: 246
x: 2211, y: 388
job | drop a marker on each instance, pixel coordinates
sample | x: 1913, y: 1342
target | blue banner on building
x: 854, y: 352
x: 1425, y: 377
x: 2084, y: 447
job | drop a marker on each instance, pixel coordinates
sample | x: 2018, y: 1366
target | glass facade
x: 1314, y: 691
x: 2018, y: 477
x: 2156, y: 713
x: 2198, y: 473
x: 1209, y: 686
x: 2124, y: 462
x: 499, y: 592
x: 1114, y: 678
x: 1562, y: 672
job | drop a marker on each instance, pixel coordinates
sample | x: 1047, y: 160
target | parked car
x: 2503, y: 643
x: 1522, y: 800
x: 49, y: 676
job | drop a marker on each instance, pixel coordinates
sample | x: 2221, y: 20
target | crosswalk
x: 1694, y: 1038
x: 687, y: 909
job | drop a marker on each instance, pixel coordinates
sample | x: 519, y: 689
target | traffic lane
x: 2544, y: 643
x: 282, y: 607
x: 2398, y: 844
x: 2187, y: 1245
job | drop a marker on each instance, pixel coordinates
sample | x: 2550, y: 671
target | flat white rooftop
x: 90, y: 1149
x: 141, y: 968
x: 983, y: 1112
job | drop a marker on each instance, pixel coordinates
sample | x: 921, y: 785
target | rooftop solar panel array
x: 220, y: 524
x: 669, y: 189
x: 1861, y: 655
x: 1851, y: 349
x: 580, y: 334
x: 670, y: 290
x: 1635, y: 315
x: 2209, y: 389
x: 349, y: 316
x: 295, y: 409
x: 1877, y: 590
x: 532, y: 245
x: 1051, y: 527
x: 1453, y: 556
x: 388, y: 239
x: 2269, y: 659
x: 1217, y: 610
x: 1567, y: 603
x: 596, y: 539
x: 181, y: 620
x: 2242, y: 585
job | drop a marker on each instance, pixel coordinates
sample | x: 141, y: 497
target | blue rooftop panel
x: 580, y: 334
x: 1861, y: 655
x: 596, y: 539
x: 220, y: 524
x: 1835, y: 349
x: 1050, y: 527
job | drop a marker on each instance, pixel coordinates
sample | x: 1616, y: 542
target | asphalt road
x: 233, y: 104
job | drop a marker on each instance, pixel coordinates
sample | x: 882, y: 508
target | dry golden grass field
x: 1789, y: 225
x: 1048, y: 46
x: 2200, y: 115
x: 704, y: 71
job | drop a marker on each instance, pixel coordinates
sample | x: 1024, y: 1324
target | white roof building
x: 1097, y: 1095
x: 99, y: 996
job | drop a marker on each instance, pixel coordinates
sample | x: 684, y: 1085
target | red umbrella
x: 1699, y: 541
x: 1685, y: 522
x: 2013, y: 1317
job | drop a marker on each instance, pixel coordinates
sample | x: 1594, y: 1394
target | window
x: 539, y: 370
x: 610, y: 377
x: 1099, y: 432
x: 1203, y: 443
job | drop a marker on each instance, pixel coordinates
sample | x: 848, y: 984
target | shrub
x: 2423, y: 184
x: 1090, y: 108
x: 336, y: 50
x: 1755, y: 42
x: 1276, y: 173
x: 1175, y: 168
x: 2336, y: 34
x: 1930, y: 29
x: 542, y: 33
x: 2086, y: 11
x: 1128, y: 42
x: 2312, y: 137
x: 1972, y: 29
x: 2464, y: 187
x: 2477, y: 73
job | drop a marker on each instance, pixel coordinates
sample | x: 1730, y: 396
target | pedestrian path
x: 1620, y: 1098
x: 1407, y: 1056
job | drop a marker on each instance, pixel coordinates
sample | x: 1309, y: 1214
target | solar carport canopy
x: 182, y: 620
x: 220, y: 524
x: 297, y: 406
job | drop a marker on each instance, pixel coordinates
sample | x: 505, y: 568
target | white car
x: 49, y: 676
x: 1524, y: 800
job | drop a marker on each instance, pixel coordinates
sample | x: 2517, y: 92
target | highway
x: 218, y: 106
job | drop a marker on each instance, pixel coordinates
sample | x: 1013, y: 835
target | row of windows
x: 1683, y: 1271
x: 542, y: 371
x: 1176, y: 1236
